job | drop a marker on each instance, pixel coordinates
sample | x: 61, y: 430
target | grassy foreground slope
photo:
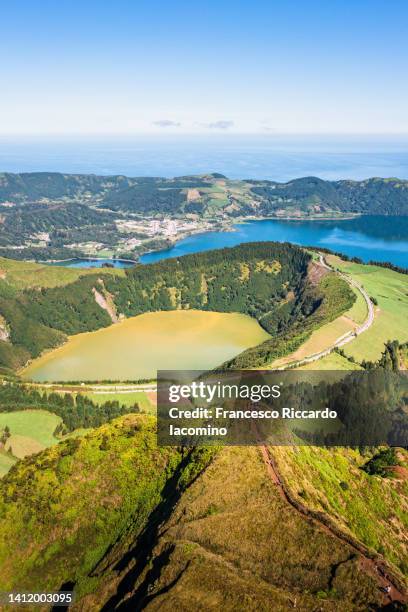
x: 372, y: 508
x: 231, y: 543
x: 62, y: 509
x: 133, y: 526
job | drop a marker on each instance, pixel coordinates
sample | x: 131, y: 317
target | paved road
x: 349, y: 336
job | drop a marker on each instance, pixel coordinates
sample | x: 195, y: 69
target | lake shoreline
x: 367, y: 237
x: 226, y: 226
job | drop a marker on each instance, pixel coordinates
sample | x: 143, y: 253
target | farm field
x: 31, y: 430
x: 142, y: 398
x: 390, y: 289
x: 334, y: 361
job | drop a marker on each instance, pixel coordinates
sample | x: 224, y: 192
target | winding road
x: 349, y: 336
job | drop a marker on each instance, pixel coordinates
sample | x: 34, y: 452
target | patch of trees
x: 388, y: 265
x: 24, y: 220
x: 4, y: 436
x: 380, y: 464
x: 40, y: 253
x: 28, y: 336
x: 145, y: 198
x: 373, y: 196
x: 76, y: 411
x: 391, y: 358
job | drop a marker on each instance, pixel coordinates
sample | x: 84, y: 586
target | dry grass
x: 232, y: 543
x: 373, y: 509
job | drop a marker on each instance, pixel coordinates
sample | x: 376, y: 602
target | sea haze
x: 274, y: 157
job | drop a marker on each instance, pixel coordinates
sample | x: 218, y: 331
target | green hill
x: 72, y: 501
x: 150, y: 194
x: 129, y: 525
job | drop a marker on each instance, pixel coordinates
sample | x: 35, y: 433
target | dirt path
x: 375, y: 567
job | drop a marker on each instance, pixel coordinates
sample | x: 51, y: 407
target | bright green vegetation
x: 72, y: 502
x: 334, y: 361
x: 267, y: 281
x: 39, y: 425
x: 389, y: 288
x: 91, y: 507
x: 143, y: 399
x: 75, y: 411
x: 136, y: 348
x: 370, y: 507
x: 6, y: 462
x: 358, y: 312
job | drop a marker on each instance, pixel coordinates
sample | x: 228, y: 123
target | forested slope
x: 375, y: 196
x: 387, y: 196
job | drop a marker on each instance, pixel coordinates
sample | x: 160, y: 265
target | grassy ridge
x: 74, y: 499
x: 26, y: 275
x: 372, y: 508
x: 232, y: 543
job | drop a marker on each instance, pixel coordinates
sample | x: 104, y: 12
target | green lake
x: 137, y: 347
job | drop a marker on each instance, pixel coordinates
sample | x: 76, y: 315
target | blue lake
x: 93, y: 263
x: 370, y: 238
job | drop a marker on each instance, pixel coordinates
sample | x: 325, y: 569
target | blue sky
x: 131, y: 67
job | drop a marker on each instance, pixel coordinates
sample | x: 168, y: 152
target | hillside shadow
x: 140, y: 554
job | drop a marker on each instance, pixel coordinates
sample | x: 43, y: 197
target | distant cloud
x: 265, y: 126
x: 219, y: 125
x: 164, y: 123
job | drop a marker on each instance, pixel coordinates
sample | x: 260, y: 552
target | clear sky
x: 175, y: 66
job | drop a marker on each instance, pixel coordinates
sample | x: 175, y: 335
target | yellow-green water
x: 137, y: 347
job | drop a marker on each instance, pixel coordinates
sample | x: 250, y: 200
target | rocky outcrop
x: 105, y: 301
